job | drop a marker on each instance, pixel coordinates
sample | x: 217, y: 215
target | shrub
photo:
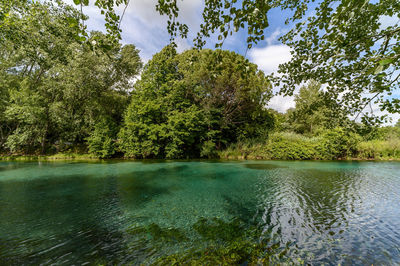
x: 329, y: 145
x: 279, y: 146
x: 290, y: 146
x: 337, y: 144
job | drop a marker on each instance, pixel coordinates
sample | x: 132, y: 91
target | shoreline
x: 89, y: 157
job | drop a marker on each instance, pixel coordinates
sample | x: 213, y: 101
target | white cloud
x: 273, y: 38
x: 281, y: 103
x: 182, y: 45
x: 270, y: 57
x: 143, y: 26
x: 148, y: 40
x: 145, y: 11
x: 96, y: 20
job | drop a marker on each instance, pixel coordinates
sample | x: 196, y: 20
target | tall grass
x: 331, y: 145
x: 379, y: 149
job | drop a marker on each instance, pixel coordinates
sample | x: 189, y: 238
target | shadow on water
x: 263, y: 166
x: 246, y: 211
x: 91, y: 243
x: 7, y: 166
x: 76, y: 217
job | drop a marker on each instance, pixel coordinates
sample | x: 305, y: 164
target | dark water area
x: 139, y: 213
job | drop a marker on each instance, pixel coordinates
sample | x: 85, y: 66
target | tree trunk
x: 43, y: 144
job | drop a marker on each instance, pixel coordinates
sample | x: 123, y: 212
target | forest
x: 62, y: 96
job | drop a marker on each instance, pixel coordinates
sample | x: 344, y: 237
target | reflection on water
x: 208, y: 212
x: 263, y: 166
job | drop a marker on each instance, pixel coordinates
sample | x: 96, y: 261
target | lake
x: 159, y: 212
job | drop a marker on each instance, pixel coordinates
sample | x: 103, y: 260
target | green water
x: 136, y: 212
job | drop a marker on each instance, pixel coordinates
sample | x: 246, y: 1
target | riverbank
x: 223, y: 156
x: 58, y: 156
x: 288, y: 146
x: 333, y: 145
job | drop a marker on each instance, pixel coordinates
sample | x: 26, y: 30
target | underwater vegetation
x: 216, y: 242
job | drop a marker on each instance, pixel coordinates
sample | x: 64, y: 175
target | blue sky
x: 146, y: 29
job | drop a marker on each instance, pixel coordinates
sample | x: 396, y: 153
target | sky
x: 144, y: 27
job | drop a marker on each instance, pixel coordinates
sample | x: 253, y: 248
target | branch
x: 365, y: 105
x: 393, y: 81
x: 123, y: 13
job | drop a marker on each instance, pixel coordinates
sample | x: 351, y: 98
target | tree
x: 32, y: 45
x: 232, y: 91
x: 159, y: 119
x: 93, y: 88
x: 315, y: 110
x: 101, y: 139
x: 58, y: 90
x: 345, y: 46
x: 342, y: 44
x: 193, y: 104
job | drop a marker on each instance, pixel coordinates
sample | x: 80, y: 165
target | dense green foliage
x: 342, y: 43
x: 193, y: 104
x: 332, y: 144
x: 318, y: 129
x: 315, y: 110
x: 64, y: 90
x: 57, y: 90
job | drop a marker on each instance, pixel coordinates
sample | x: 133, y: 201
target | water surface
x: 141, y: 212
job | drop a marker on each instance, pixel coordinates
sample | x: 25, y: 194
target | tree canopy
x: 53, y: 88
x: 64, y: 89
x: 315, y: 110
x: 340, y: 43
x: 193, y: 104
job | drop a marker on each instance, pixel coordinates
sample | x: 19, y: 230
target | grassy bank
x: 331, y: 146
x: 335, y: 144
x: 58, y: 156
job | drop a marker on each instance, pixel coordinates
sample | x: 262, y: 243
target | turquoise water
x: 139, y: 212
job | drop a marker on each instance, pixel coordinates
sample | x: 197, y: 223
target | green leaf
x: 378, y: 69
x: 386, y: 61
x: 77, y: 2
x: 72, y: 22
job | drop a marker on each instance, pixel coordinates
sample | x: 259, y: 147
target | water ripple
x: 135, y: 213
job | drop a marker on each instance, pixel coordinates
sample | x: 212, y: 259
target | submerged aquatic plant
x: 216, y: 242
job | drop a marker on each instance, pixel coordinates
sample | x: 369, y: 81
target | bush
x: 337, y: 144
x: 290, y: 146
x: 279, y: 146
x: 208, y: 150
x: 329, y: 145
